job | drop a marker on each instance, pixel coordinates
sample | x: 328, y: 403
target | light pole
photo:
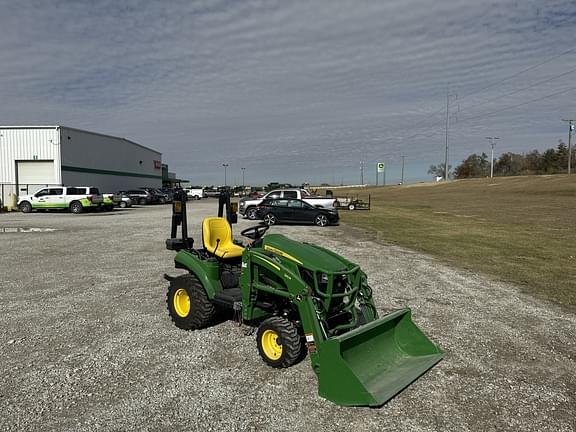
x: 225, y: 178
x: 243, y: 185
x: 402, y: 181
x: 492, y: 144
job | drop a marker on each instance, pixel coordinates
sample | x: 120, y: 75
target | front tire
x: 188, y: 304
x: 142, y: 201
x: 76, y: 207
x: 279, y: 343
x: 122, y: 204
x: 351, y: 206
x: 251, y: 213
x: 270, y: 219
x: 25, y: 207
x: 321, y: 220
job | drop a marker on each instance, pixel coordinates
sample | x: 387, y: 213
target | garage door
x: 33, y: 175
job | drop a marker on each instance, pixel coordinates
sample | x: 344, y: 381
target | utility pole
x: 570, y: 129
x: 492, y: 144
x: 447, y: 125
x: 377, y: 175
x: 403, y: 158
x: 361, y: 172
x: 243, y: 185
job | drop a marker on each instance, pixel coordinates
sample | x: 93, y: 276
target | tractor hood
x: 305, y: 254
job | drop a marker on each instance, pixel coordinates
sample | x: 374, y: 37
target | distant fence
x: 23, y: 189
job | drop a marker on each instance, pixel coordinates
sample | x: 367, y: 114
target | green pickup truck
x: 109, y: 201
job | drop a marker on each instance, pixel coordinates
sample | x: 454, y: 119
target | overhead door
x: 34, y: 175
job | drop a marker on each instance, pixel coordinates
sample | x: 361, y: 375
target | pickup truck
x: 109, y: 201
x: 247, y: 206
x: 76, y: 199
x: 195, y: 193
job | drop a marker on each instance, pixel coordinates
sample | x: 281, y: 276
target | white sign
x: 380, y: 167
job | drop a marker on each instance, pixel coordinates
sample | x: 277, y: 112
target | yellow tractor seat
x: 217, y: 237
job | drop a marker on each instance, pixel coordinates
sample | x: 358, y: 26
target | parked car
x: 75, y: 198
x: 273, y: 211
x: 141, y: 196
x: 211, y: 193
x: 248, y: 205
x: 109, y: 201
x: 168, y: 194
x: 125, y: 201
x: 158, y: 197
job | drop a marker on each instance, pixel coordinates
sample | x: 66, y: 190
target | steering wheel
x: 255, y: 232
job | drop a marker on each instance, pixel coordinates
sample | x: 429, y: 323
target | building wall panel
x: 110, y: 163
x: 28, y: 143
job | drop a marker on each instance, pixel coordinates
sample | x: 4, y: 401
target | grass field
x: 518, y: 229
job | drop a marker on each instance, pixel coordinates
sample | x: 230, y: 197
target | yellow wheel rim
x: 181, y: 303
x: 271, y: 344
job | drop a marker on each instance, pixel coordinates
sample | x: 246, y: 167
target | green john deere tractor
x: 301, y: 297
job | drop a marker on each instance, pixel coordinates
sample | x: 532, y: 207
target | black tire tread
x: 202, y: 311
x: 275, y: 220
x: 291, y: 340
x: 73, y: 204
x: 249, y: 211
x: 316, y: 220
x: 27, y: 205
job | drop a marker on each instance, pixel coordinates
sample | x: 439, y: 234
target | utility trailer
x: 352, y: 203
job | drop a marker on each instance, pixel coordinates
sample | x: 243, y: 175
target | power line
x: 525, y: 88
x: 519, y: 73
x: 518, y: 105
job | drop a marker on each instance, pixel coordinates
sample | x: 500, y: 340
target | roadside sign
x: 380, y: 167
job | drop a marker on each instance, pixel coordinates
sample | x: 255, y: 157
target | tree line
x: 551, y: 161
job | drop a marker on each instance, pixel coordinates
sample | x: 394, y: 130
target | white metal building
x: 32, y: 157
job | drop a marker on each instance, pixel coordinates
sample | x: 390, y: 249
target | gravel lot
x: 86, y: 342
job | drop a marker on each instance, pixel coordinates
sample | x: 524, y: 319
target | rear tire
x: 351, y: 206
x: 321, y: 220
x: 122, y: 204
x: 76, y: 207
x: 279, y: 343
x: 269, y: 219
x: 25, y: 207
x: 188, y: 304
x: 251, y: 213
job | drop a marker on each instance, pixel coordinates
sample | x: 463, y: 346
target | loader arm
x: 355, y: 364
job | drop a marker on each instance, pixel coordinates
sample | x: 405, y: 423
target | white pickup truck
x: 247, y: 207
x: 76, y: 199
x: 195, y: 193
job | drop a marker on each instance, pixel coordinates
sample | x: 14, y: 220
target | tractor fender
x: 206, y: 271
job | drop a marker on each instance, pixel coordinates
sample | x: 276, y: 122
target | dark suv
x: 141, y: 196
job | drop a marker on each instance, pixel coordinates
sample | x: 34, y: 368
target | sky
x: 295, y: 91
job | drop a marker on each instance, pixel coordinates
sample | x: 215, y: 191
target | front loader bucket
x: 371, y: 364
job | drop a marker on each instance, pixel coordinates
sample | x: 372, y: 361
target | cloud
x: 290, y: 90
